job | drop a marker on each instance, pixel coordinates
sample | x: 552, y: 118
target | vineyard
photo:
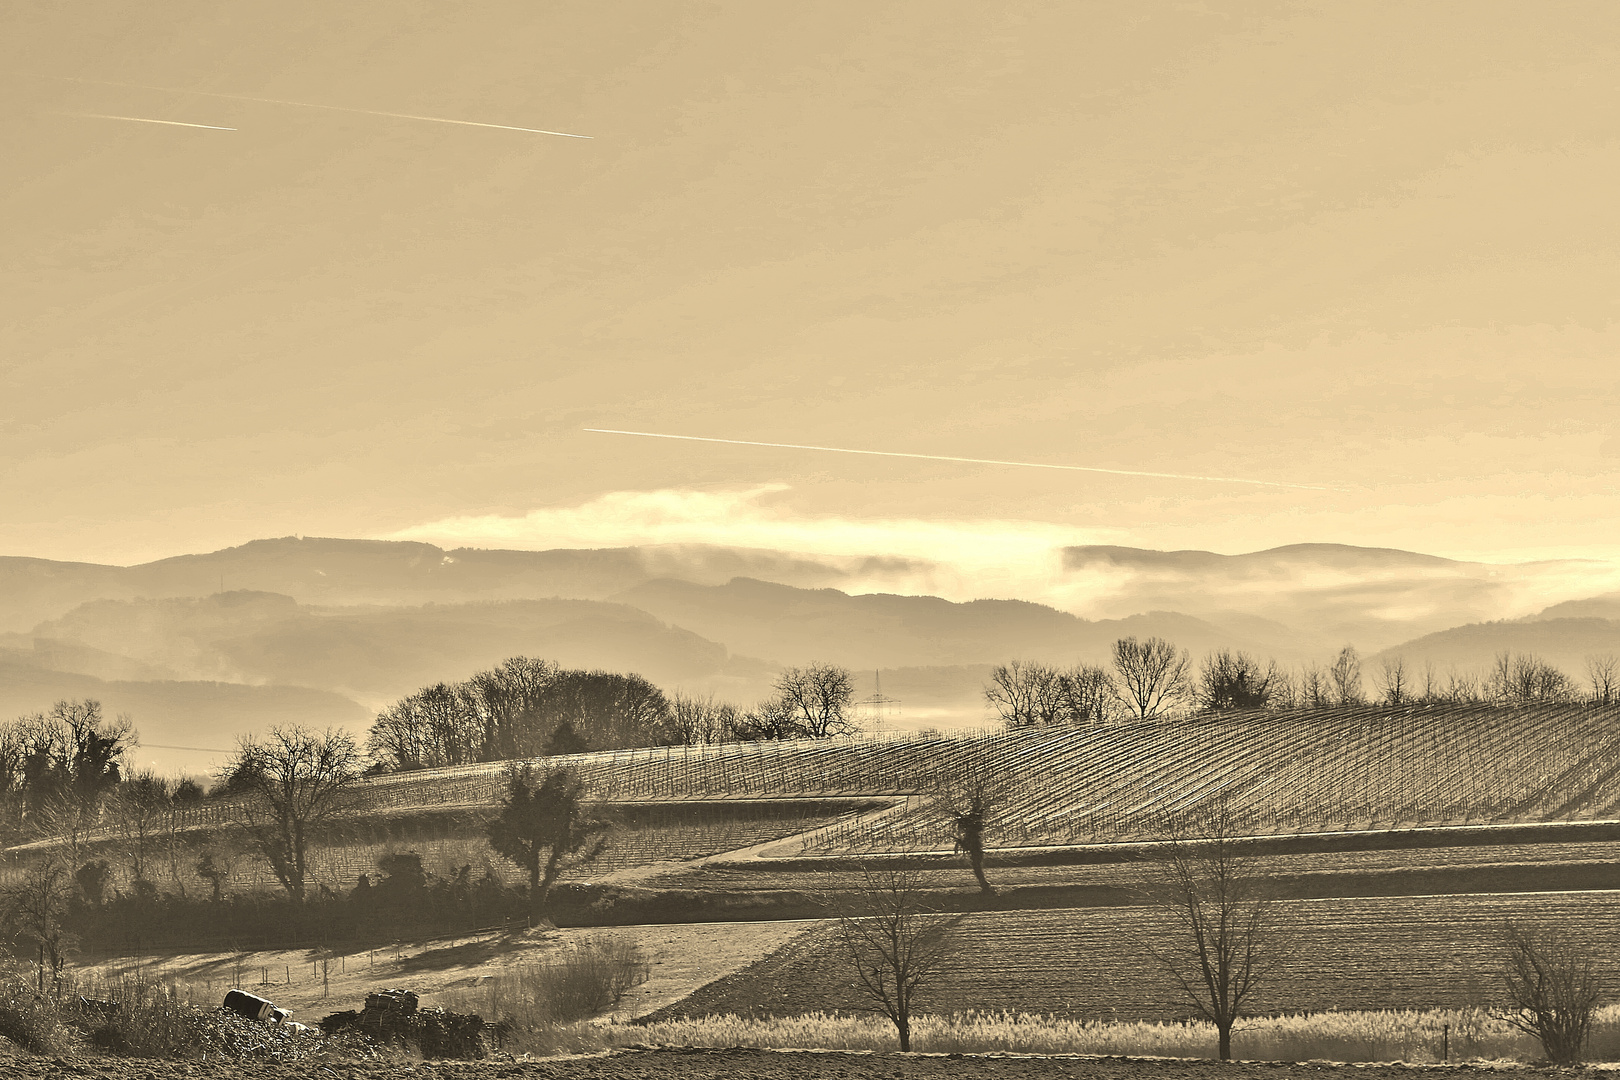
x: 1386, y: 953
x: 1276, y: 773
x: 1303, y: 771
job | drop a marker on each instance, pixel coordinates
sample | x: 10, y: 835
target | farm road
x: 729, y: 1064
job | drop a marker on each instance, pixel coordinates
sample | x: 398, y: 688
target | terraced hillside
x: 1305, y: 771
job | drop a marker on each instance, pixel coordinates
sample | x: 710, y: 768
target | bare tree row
x: 1153, y: 679
x: 1223, y: 936
x: 527, y: 708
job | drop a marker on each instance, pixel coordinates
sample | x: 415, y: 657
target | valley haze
x: 198, y: 649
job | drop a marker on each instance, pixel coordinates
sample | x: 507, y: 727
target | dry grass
x: 540, y: 1005
x: 1411, y: 1036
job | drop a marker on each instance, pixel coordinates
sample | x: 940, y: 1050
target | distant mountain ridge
x: 393, y: 572
x: 887, y: 630
x: 1336, y: 556
x: 352, y: 624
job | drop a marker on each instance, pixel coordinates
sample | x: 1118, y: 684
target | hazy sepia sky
x: 1366, y: 246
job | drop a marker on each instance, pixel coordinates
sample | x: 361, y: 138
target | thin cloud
x: 967, y: 460
x: 959, y: 560
x: 327, y: 108
x: 149, y: 120
x: 967, y: 560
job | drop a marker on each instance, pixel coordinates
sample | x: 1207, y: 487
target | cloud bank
x: 1318, y: 592
x: 958, y: 560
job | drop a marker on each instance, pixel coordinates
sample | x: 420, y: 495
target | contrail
x: 312, y: 105
x: 166, y: 746
x: 149, y: 120
x: 968, y: 460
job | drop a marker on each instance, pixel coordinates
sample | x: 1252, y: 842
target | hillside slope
x: 1564, y: 642
x: 885, y: 630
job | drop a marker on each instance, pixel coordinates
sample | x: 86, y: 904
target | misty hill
x: 377, y: 653
x: 792, y: 625
x: 1299, y: 601
x: 209, y: 715
x: 1565, y: 643
x: 1325, y: 594
x: 346, y: 572
x: 1596, y: 607
x: 1289, y: 558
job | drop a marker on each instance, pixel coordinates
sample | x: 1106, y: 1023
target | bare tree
x: 1153, y: 675
x: 505, y: 703
x: 1603, y: 675
x: 1088, y: 695
x: 71, y: 752
x: 286, y: 787
x: 1431, y: 681
x: 217, y: 864
x: 894, y: 942
x: 1028, y: 694
x: 138, y: 810
x: 771, y: 719
x: 1315, y: 687
x: 819, y: 698
x: 1552, y: 990
x: 1024, y: 694
x: 1526, y: 679
x: 35, y: 907
x: 1234, y: 680
x: 1228, y: 935
x: 1462, y: 687
x: 1344, y: 676
x: 1394, y: 685
x: 969, y: 793
x: 694, y: 721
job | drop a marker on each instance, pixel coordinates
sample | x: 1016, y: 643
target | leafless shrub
x: 1603, y: 677
x: 1552, y: 990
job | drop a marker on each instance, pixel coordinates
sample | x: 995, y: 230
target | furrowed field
x: 1095, y: 963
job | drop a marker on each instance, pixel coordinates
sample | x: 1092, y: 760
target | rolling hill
x: 1563, y: 642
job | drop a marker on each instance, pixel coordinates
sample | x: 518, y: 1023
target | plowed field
x: 1381, y: 953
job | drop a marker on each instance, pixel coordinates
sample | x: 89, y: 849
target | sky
x: 1366, y: 253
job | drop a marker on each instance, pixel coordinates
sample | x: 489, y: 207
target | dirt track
x: 691, y: 1064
